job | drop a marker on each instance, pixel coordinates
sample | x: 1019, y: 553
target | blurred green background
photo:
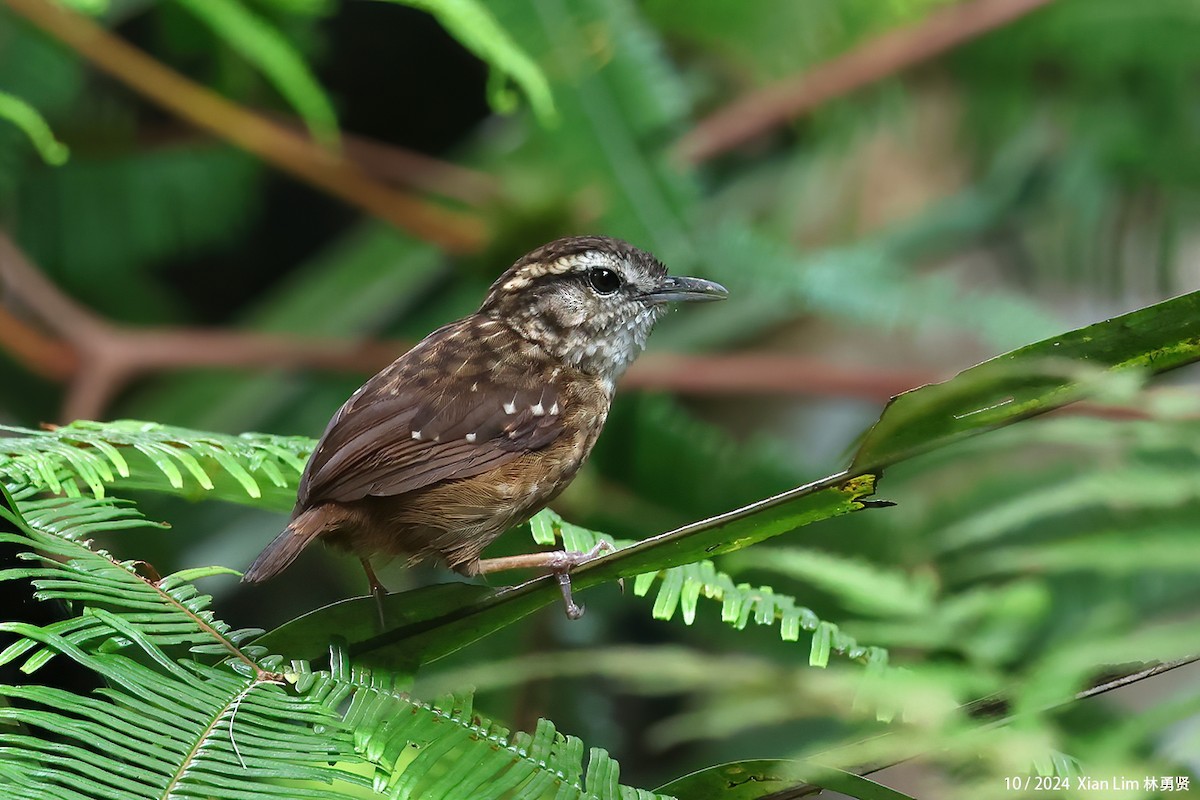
x: 1039, y: 175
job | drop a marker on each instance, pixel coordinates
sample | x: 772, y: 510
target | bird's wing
x: 403, y: 431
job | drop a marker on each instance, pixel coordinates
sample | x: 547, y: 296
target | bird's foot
x: 378, y: 590
x: 562, y: 572
x: 564, y: 560
x: 558, y: 562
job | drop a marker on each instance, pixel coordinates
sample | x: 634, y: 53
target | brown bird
x: 487, y: 419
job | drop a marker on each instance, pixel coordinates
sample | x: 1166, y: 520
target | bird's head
x: 590, y: 301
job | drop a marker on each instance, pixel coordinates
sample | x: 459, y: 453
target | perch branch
x: 875, y: 59
x: 454, y: 231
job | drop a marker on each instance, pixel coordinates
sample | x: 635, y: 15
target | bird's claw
x: 567, y: 561
x: 573, y: 609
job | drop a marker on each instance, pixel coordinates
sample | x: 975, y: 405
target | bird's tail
x: 284, y: 548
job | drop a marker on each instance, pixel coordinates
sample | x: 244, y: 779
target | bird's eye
x: 604, y: 281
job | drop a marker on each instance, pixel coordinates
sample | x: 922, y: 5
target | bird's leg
x: 377, y: 589
x: 558, y: 563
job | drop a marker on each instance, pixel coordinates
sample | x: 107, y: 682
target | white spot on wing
x: 471, y: 438
x: 416, y: 435
x: 554, y: 409
x: 511, y: 406
x: 537, y: 410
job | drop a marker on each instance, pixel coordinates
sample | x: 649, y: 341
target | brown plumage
x: 487, y: 419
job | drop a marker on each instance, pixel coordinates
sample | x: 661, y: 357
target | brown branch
x: 123, y: 355
x: 400, y: 166
x: 875, y: 59
x: 414, y: 170
x: 97, y: 358
x: 390, y: 163
x: 61, y: 314
x: 34, y: 350
x: 452, y: 230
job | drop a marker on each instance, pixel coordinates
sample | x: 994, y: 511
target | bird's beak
x: 685, y: 290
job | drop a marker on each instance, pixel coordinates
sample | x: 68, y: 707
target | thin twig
x: 767, y: 108
x: 386, y: 162
x: 1120, y: 682
x: 1102, y: 685
x: 452, y: 230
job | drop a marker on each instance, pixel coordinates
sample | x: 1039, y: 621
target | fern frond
x: 169, y: 611
x: 188, y: 199
x: 172, y: 729
x: 246, y: 727
x: 253, y: 468
x: 681, y: 587
x: 459, y: 754
x: 167, y: 729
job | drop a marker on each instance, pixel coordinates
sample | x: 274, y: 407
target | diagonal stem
x: 772, y: 106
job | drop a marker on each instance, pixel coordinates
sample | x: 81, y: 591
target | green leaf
x: 750, y: 780
x: 309, y: 635
x: 26, y: 117
x: 1032, y: 380
x: 262, y: 44
x: 473, y: 25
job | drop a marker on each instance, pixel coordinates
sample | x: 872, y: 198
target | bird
x: 486, y: 420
